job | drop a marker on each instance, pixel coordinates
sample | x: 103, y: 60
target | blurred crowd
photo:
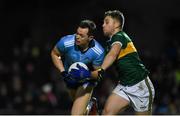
x: 30, y: 84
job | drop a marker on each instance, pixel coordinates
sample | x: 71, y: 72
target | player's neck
x: 115, y: 31
x: 84, y: 47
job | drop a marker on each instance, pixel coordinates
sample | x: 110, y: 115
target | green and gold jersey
x: 130, y: 68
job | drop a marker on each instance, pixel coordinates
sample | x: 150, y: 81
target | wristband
x: 100, y: 74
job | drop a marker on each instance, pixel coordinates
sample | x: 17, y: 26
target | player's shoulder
x: 118, y: 35
x: 68, y: 40
x: 121, y: 35
x: 97, y: 48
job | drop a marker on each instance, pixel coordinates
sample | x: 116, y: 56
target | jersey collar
x: 109, y: 40
x: 91, y: 44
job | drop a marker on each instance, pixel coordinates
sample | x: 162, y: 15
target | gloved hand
x: 80, y: 74
x: 70, y: 81
x: 100, y: 74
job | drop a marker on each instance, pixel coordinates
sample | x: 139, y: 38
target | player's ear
x: 116, y: 24
x: 91, y: 37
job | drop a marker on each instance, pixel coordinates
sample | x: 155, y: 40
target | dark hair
x: 88, y: 24
x: 116, y: 14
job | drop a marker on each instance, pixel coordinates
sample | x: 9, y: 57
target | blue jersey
x: 94, y: 56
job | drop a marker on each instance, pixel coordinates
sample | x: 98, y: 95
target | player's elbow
x: 52, y: 53
x: 55, y: 55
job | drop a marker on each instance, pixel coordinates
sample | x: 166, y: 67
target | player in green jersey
x: 134, y: 88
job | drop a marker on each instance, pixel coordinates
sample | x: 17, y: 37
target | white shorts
x: 140, y: 95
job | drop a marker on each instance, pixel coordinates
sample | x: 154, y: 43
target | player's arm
x: 56, y: 58
x: 93, y: 73
x: 111, y: 56
x: 96, y: 67
x: 109, y: 59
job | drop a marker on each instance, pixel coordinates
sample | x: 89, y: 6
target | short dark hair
x: 88, y: 24
x: 116, y: 14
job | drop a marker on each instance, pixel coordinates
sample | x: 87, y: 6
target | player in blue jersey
x: 78, y: 47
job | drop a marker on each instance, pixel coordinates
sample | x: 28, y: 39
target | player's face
x: 108, y: 26
x: 82, y: 37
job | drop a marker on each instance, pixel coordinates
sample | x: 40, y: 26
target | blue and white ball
x: 74, y: 66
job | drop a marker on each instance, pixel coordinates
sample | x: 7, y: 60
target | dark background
x: 30, y: 84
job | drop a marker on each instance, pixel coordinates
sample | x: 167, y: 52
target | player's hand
x: 100, y: 74
x: 70, y: 81
x: 80, y: 74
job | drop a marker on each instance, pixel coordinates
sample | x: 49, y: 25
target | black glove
x: 100, y: 74
x: 70, y: 82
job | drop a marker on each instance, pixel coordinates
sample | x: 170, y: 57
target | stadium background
x: 30, y: 84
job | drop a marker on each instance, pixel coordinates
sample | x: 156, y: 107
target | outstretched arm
x: 109, y: 59
x: 111, y: 56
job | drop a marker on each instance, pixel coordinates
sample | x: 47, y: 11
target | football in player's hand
x: 74, y: 66
x: 80, y: 72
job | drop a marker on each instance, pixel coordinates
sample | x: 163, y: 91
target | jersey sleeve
x: 60, y: 45
x: 119, y: 39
